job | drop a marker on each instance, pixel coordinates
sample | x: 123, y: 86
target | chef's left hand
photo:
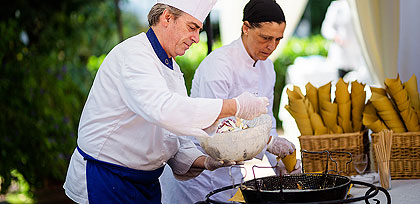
x: 212, y: 164
x: 280, y: 147
x: 281, y: 169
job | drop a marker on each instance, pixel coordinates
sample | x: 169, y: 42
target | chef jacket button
x: 166, y: 61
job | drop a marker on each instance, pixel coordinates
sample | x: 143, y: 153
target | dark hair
x: 257, y: 11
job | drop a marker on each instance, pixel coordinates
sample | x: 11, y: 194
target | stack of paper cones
x: 383, y: 155
x: 342, y: 97
x: 412, y: 91
x: 313, y: 110
x: 327, y: 109
x: 297, y: 107
x: 312, y: 96
x: 358, y: 97
x: 387, y: 112
x: 400, y: 96
x: 371, y: 119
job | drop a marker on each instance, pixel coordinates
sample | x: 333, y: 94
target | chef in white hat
x: 242, y: 65
x: 137, y: 108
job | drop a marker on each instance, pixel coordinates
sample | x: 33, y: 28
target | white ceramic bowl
x: 239, y: 145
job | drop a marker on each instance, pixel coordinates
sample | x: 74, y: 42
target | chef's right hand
x: 212, y: 164
x: 249, y: 106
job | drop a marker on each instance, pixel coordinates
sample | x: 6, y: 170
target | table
x: 402, y: 192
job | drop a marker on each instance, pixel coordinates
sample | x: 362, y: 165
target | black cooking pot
x: 297, y: 188
x: 371, y: 192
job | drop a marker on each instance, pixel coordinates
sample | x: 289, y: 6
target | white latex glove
x: 249, y: 106
x: 280, y: 147
x: 212, y: 164
x: 282, y: 169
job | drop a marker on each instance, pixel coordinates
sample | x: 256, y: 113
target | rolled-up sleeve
x: 185, y: 157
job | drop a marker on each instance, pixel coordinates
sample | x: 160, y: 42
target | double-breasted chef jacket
x: 128, y: 130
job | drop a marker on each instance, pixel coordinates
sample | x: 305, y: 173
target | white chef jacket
x: 225, y: 73
x: 133, y: 106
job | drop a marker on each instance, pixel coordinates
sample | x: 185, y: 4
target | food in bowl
x: 230, y: 125
x: 240, y: 145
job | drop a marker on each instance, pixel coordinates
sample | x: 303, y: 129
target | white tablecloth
x: 402, y: 192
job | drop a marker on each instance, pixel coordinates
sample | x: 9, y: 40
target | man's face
x: 261, y: 42
x: 183, y: 32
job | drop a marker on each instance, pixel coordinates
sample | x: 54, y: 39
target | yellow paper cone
x: 312, y: 96
x: 412, y: 91
x: 238, y: 197
x: 374, y: 125
x: 342, y: 92
x: 317, y: 124
x: 380, y: 91
x: 358, y: 97
x: 371, y: 119
x: 386, y: 111
x: 342, y: 97
x: 324, y: 94
x: 302, y: 121
x: 329, y: 116
x: 289, y: 161
x: 401, y: 99
x: 316, y: 120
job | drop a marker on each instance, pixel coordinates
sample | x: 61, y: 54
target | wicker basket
x: 405, y: 155
x: 355, y: 143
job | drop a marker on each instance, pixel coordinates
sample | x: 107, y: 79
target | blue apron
x: 111, y: 183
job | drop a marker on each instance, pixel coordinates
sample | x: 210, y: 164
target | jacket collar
x: 157, y: 47
x: 244, y: 54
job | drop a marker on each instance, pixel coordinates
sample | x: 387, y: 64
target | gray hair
x: 157, y: 10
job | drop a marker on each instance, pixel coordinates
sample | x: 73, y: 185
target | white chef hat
x: 199, y: 9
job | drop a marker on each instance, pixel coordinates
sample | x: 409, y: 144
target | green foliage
x: 94, y: 63
x: 22, y: 193
x: 44, y: 82
x: 314, y: 45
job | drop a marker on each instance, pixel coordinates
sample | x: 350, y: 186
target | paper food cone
x: 303, y: 122
x: 412, y: 91
x: 342, y: 97
x: 312, y: 96
x: 386, y: 111
x: 401, y: 99
x: 329, y: 115
x: 324, y: 93
x: 342, y: 92
x: 358, y: 97
x: 238, y: 197
x: 380, y: 91
x: 371, y: 119
x: 289, y: 161
x: 317, y: 124
x: 298, y: 109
